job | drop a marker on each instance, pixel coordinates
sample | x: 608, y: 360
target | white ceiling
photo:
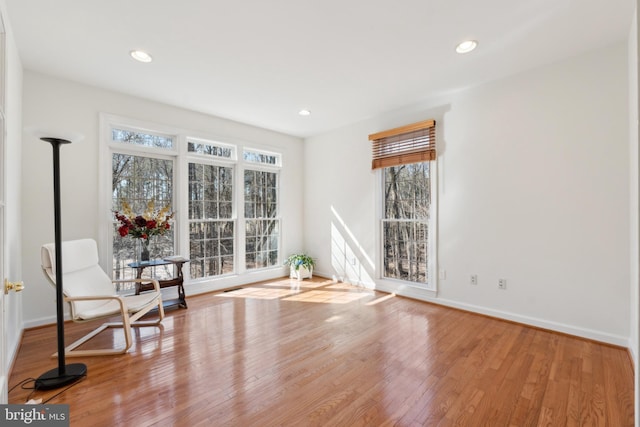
x: 261, y: 61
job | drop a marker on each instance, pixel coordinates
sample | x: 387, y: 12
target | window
x: 137, y: 180
x: 138, y: 177
x: 405, y: 222
x: 262, y: 228
x: 405, y: 156
x: 262, y: 157
x: 211, y: 224
x: 141, y: 139
x: 223, y: 196
x: 211, y: 149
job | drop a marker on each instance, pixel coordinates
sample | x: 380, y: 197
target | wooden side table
x: 178, y: 280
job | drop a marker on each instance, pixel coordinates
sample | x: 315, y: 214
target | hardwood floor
x: 333, y: 355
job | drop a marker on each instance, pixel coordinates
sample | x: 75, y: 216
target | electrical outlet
x: 474, y: 279
x: 502, y: 283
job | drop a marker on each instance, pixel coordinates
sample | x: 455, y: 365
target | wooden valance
x: 403, y: 145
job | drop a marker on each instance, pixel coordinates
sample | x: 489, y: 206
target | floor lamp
x: 63, y: 374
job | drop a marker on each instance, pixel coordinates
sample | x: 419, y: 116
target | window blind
x: 412, y: 143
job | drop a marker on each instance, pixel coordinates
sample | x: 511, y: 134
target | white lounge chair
x: 92, y: 295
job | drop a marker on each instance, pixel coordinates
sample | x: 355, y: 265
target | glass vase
x: 143, y: 250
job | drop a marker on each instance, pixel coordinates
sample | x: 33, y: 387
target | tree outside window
x: 211, y: 224
x: 137, y: 180
x: 405, y: 222
x: 262, y: 228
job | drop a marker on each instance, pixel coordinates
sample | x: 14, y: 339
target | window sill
x: 406, y: 289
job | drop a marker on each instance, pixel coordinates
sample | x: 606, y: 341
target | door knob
x: 12, y: 286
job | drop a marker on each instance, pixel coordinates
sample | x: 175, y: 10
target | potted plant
x: 300, y: 266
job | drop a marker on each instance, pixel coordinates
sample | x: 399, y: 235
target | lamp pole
x: 63, y: 374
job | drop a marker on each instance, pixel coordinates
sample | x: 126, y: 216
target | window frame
x: 192, y: 157
x: 174, y: 231
x: 115, y: 143
x: 432, y: 236
x: 182, y: 157
x: 248, y: 165
x: 277, y: 218
x: 107, y: 148
x: 233, y: 158
x: 412, y: 143
x: 278, y: 158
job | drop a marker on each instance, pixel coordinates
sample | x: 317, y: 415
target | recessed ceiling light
x: 466, y: 46
x: 140, y: 55
x: 304, y: 112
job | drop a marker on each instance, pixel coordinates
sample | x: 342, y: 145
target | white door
x: 3, y: 246
x: 4, y: 358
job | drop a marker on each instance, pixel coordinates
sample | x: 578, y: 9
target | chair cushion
x: 83, y: 277
x: 77, y: 255
x: 89, y: 282
x: 133, y: 303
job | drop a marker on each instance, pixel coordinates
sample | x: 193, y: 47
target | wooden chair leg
x: 127, y: 323
x: 126, y: 326
x: 160, y: 311
x: 70, y: 350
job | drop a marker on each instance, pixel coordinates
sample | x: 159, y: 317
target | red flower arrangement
x: 151, y: 223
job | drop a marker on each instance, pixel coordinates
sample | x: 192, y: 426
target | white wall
x: 533, y: 187
x: 634, y: 188
x: 634, y: 204
x: 59, y: 104
x: 13, y: 82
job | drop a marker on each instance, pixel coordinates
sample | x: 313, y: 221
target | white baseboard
x: 41, y: 321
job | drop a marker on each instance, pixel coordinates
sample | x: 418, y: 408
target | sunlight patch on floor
x: 344, y: 286
x: 327, y: 297
x: 381, y: 299
x: 259, y: 293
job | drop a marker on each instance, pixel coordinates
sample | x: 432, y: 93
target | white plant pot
x: 300, y: 273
